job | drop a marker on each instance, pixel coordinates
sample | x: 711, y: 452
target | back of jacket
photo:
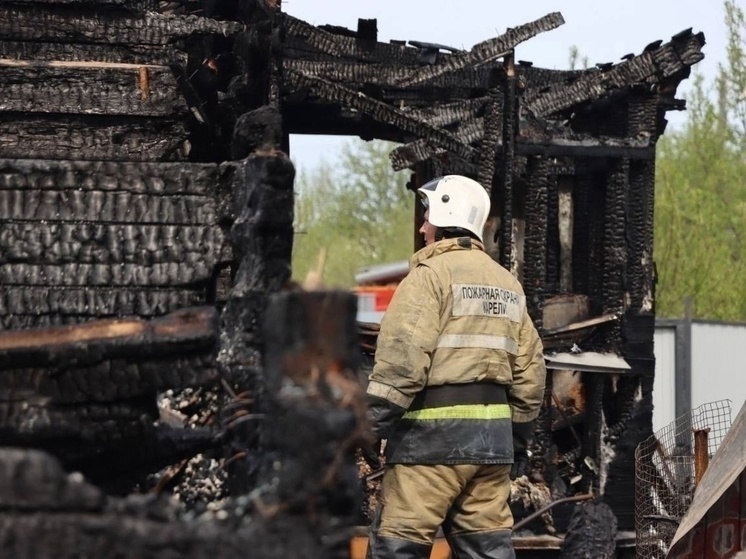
x: 457, y: 360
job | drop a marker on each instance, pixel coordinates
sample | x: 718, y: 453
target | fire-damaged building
x: 167, y: 390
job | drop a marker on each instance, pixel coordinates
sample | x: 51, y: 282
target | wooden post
x: 316, y: 416
x: 701, y: 455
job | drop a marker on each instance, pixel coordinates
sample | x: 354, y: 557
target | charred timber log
x: 353, y: 74
x: 262, y: 236
x: 315, y: 41
x: 317, y: 414
x: 553, y: 247
x: 188, y: 330
x: 643, y: 122
x: 89, y: 88
x: 486, y: 51
x: 112, y: 138
x: 379, y: 111
x: 161, y: 55
x: 24, y: 307
x: 668, y: 60
x: 491, y: 139
x: 408, y: 155
x: 29, y: 23
x: 39, y: 502
x: 615, y: 247
x: 535, y: 250
x: 505, y: 194
x: 453, y: 113
x: 131, y: 5
x: 64, y: 242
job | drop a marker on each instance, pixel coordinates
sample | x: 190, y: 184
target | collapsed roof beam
x: 378, y: 110
x: 407, y: 155
x: 652, y: 66
x: 486, y: 51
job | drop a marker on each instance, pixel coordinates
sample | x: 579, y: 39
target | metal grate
x: 668, y: 466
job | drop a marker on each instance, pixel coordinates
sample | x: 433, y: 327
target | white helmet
x: 456, y: 201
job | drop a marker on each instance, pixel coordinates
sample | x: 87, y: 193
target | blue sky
x: 602, y: 31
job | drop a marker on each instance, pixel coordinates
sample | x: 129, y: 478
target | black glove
x: 372, y: 454
x: 522, y: 435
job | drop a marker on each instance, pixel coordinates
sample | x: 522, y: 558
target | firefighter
x: 455, y: 390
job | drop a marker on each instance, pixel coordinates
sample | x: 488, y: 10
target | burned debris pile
x: 146, y: 229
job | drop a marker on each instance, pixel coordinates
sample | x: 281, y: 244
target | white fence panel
x: 664, y: 386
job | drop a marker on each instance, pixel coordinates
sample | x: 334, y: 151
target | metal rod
x: 582, y: 497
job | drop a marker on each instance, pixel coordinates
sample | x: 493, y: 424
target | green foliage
x: 360, y: 213
x: 700, y: 206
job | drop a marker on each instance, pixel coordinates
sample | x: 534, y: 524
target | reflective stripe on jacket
x: 457, y: 319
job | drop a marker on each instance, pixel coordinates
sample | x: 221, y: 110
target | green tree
x: 700, y: 205
x: 360, y: 213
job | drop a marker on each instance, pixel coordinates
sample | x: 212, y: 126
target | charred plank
x: 379, y: 111
x: 161, y: 55
x: 117, y: 138
x: 339, y: 46
x: 487, y: 51
x: 166, y: 274
x: 51, y: 242
x: 89, y: 88
x: 185, y: 330
x: 164, y: 179
x: 76, y: 303
x: 668, y: 60
x: 28, y: 23
x: 82, y: 377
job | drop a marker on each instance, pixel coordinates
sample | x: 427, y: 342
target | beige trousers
x: 416, y: 500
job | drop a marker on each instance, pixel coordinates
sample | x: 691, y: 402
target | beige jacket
x: 459, y: 317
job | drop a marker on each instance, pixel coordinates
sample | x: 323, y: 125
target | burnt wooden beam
x: 599, y: 147
x: 57, y: 305
x: 446, y: 114
x: 112, y: 138
x: 29, y: 23
x: 614, y: 281
x: 381, y: 112
x: 653, y: 66
x: 185, y: 330
x: 535, y: 249
x: 505, y: 193
x: 69, y: 242
x: 574, y: 145
x: 410, y: 154
x: 96, y: 374
x: 96, y: 179
x: 134, y: 5
x: 166, y: 274
x: 262, y: 240
x: 80, y: 429
x: 89, y: 88
x: 492, y: 139
x: 486, y: 51
x: 351, y: 74
x: 161, y: 55
x: 318, y: 41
